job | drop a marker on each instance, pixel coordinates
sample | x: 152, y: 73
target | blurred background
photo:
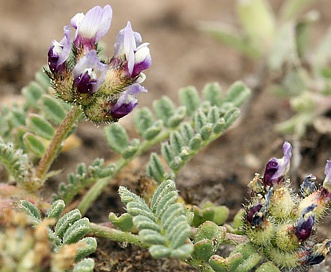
x: 182, y: 55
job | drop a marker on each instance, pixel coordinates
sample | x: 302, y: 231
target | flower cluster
x: 282, y: 223
x: 106, y: 90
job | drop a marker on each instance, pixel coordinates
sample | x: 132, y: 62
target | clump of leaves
x: 290, y: 64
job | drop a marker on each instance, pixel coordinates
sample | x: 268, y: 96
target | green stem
x: 55, y: 145
x: 101, y: 184
x: 116, y: 235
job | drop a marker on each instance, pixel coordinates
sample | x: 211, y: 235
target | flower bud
x: 261, y: 234
x: 308, y: 186
x: 321, y: 198
x: 318, y: 254
x: 286, y: 239
x: 281, y: 202
x: 305, y: 223
x: 254, y: 216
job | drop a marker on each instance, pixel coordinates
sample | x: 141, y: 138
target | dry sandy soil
x: 182, y: 55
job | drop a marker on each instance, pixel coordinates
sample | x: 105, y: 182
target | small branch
x: 116, y: 235
x: 55, y: 145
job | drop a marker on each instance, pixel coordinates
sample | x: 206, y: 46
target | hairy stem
x: 116, y: 235
x: 55, y: 145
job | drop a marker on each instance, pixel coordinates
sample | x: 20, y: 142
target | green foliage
x: 40, y: 126
x: 243, y: 258
x: 82, y: 178
x: 31, y: 125
x: 207, y: 240
x: 17, y: 164
x: 117, y: 137
x: 284, y: 50
x: 163, y: 224
x: 209, y: 121
x: 123, y: 222
x: 70, y: 228
x: 258, y: 22
x: 209, y: 212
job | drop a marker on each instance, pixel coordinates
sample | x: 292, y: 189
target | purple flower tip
x: 89, y: 73
x: 305, y: 223
x: 59, y: 52
x: 277, y: 168
x: 254, y: 216
x: 127, y: 102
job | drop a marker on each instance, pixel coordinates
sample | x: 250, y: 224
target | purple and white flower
x: 90, y: 28
x: 127, y: 101
x: 89, y: 73
x: 129, y: 47
x: 59, y: 52
x: 277, y: 168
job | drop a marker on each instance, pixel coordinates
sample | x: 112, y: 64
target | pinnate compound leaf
x: 82, y: 178
x: 69, y: 229
x: 16, y: 163
x: 167, y: 237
